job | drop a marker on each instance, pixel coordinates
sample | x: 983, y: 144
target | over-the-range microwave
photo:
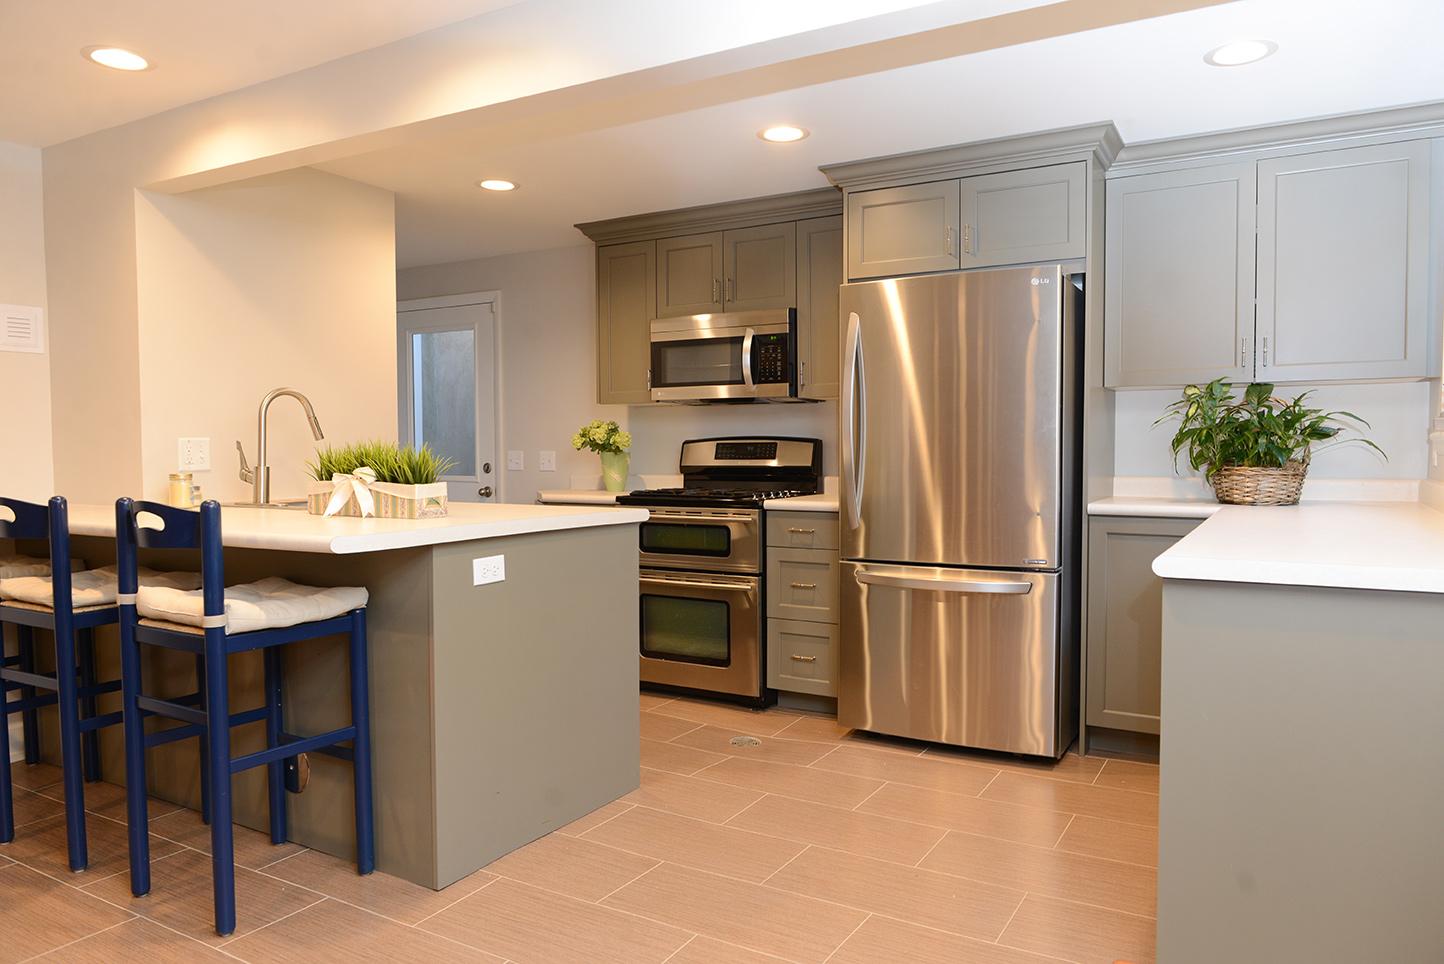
x: 725, y: 357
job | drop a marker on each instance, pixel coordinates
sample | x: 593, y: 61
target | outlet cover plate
x: 515, y: 460
x: 193, y: 454
x: 487, y: 570
x: 546, y: 461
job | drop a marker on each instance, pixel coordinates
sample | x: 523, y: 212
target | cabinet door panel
x: 1343, y: 264
x: 626, y: 305
x: 759, y: 267
x: 1178, y: 300
x: 819, y: 276
x: 1019, y: 217
x: 1125, y: 620
x: 902, y: 230
x: 689, y: 275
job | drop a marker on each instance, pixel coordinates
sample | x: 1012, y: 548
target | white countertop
x: 820, y: 502
x: 1154, y: 508
x: 1363, y: 545
x: 295, y: 530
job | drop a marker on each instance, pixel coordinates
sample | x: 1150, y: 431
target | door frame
x: 404, y: 393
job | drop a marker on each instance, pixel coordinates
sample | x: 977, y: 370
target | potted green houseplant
x: 611, y: 442
x: 1255, y: 450
x: 378, y: 478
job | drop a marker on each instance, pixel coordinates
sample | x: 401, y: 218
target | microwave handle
x: 747, y: 358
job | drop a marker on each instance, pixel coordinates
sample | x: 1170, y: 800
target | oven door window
x: 706, y: 361
x: 686, y: 539
x: 683, y: 629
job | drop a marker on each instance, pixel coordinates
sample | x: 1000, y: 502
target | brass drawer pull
x: 804, y: 585
x: 804, y: 659
x: 802, y: 532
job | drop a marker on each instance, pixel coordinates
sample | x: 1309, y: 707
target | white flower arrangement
x: 599, y: 436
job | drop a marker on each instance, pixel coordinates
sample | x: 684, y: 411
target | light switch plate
x: 546, y: 461
x: 487, y: 570
x: 193, y: 454
x: 515, y: 460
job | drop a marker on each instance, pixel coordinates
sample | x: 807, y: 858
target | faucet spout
x: 261, y: 484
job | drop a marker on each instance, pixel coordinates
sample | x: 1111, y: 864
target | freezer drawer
x: 959, y: 656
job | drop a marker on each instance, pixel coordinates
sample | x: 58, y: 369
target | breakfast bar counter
x: 499, y: 711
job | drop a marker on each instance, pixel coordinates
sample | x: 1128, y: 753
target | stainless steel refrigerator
x: 960, y: 523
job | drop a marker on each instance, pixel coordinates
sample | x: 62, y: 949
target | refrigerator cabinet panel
x: 953, y: 419
x: 958, y: 656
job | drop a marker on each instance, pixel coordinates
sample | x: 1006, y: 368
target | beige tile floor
x: 807, y: 843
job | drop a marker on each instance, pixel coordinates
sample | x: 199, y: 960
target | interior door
x: 447, y: 382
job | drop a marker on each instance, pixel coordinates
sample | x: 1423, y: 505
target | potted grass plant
x: 1255, y: 449
x: 378, y: 478
x: 610, y: 441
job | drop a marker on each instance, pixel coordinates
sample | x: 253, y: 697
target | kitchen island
x: 1302, y: 773
x: 499, y: 712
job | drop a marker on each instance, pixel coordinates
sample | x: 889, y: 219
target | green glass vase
x: 614, y: 470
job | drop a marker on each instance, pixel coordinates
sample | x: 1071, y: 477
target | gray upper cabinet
x: 902, y: 230
x: 819, y: 275
x: 759, y: 268
x: 1343, y: 247
x: 1179, y: 291
x: 689, y: 275
x: 626, y: 305
x: 1019, y: 217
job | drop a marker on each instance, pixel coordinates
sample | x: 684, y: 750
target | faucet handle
x: 248, y: 474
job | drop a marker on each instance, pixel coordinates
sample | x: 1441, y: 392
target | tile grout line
x: 1021, y: 901
x: 680, y: 949
x: 814, y: 763
x: 630, y: 883
x: 630, y: 807
x: 448, y: 907
x: 936, y: 844
x: 341, y: 900
x: 857, y: 807
x: 849, y: 937
x: 86, y: 937
x: 679, y: 736
x: 1065, y: 833
x: 786, y: 865
x: 236, y: 937
x: 996, y: 773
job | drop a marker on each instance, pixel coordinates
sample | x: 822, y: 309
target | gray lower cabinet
x: 803, y: 575
x: 759, y: 268
x: 1178, y: 297
x: 626, y: 305
x: 1343, y: 264
x: 1019, y: 217
x: 689, y: 275
x: 902, y: 230
x: 1125, y: 619
x: 819, y: 275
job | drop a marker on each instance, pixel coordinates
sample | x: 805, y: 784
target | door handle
x: 731, y: 290
x: 851, y: 457
x: 484, y: 491
x: 747, y: 358
x: 716, y: 291
x: 925, y: 584
x: 967, y: 239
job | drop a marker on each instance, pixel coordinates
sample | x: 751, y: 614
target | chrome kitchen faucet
x: 260, y: 476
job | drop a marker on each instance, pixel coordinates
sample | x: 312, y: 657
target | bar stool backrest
x: 178, y: 529
x: 50, y: 522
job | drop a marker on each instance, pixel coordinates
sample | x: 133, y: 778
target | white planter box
x: 393, y: 501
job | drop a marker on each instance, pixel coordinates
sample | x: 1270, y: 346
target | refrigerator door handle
x: 854, y: 401
x: 895, y: 581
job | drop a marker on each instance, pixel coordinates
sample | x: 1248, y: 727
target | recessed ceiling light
x: 1240, y: 52
x: 116, y: 58
x: 496, y: 184
x: 782, y: 134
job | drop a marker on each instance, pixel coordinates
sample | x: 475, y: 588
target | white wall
x: 27, y: 469
x: 286, y: 280
x: 548, y: 373
x: 1398, y: 413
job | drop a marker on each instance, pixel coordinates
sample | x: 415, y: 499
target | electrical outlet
x: 546, y: 461
x: 487, y: 570
x: 193, y: 454
x: 515, y: 460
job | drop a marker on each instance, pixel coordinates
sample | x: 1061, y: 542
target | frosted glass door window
x: 444, y: 401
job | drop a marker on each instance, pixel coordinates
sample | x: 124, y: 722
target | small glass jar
x: 181, y: 492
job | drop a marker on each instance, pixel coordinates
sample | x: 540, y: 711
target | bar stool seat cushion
x: 14, y: 566
x: 267, y: 604
x: 90, y: 589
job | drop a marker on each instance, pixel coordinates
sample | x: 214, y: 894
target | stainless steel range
x: 702, y: 562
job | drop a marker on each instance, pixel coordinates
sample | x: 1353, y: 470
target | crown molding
x: 798, y: 206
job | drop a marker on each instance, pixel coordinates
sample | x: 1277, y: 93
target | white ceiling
x: 1148, y: 77
x: 197, y: 48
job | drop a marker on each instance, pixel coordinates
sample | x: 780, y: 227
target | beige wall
x: 286, y: 280
x: 26, y: 472
x: 548, y: 373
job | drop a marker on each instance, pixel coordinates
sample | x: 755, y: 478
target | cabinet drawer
x: 802, y: 657
x: 802, y: 584
x: 803, y: 530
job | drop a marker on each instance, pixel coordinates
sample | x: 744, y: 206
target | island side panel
x: 1302, y: 774
x: 536, y: 689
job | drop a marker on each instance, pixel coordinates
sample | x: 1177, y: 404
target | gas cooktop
x: 740, y: 471
x: 703, y: 496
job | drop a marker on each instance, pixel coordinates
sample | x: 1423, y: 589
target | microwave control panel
x: 770, y: 362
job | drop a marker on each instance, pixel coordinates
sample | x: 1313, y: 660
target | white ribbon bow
x: 344, y: 486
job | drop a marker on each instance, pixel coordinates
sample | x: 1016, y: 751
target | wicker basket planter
x: 391, y: 500
x: 1247, y: 485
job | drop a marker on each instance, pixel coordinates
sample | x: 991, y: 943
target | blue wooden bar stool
x: 207, y: 713
x: 71, y: 689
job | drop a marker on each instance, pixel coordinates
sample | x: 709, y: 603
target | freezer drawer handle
x: 944, y: 585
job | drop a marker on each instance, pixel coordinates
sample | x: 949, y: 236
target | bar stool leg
x: 361, y: 745
x: 275, y: 726
x: 133, y: 727
x: 7, y: 806
x: 218, y: 748
x: 66, y: 705
x: 205, y: 755
x: 90, y: 742
x: 29, y: 719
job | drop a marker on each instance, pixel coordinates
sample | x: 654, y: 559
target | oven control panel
x: 744, y: 451
x: 770, y: 364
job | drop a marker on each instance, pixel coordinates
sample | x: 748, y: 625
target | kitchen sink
x: 288, y: 504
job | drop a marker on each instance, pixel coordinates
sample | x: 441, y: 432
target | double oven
x: 702, y: 560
